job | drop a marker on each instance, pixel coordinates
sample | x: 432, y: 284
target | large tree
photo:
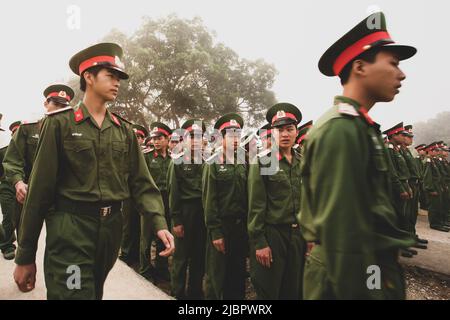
x: 433, y: 130
x: 178, y: 70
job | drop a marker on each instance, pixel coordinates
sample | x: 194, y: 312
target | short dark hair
x: 368, y: 56
x: 58, y: 101
x: 94, y: 71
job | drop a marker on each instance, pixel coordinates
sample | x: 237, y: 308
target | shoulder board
x: 121, y: 118
x: 391, y: 146
x: 264, y: 153
x: 59, y: 111
x: 24, y: 123
x: 428, y: 160
x: 147, y: 150
x: 347, y: 109
x: 177, y: 155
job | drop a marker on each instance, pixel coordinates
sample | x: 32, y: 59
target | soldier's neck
x: 95, y: 104
x: 354, y: 92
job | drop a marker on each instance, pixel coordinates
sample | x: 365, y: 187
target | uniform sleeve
x: 41, y: 191
x: 257, y: 207
x: 397, y: 186
x: 174, y: 195
x: 210, y: 202
x: 340, y: 194
x: 14, y: 161
x: 143, y: 189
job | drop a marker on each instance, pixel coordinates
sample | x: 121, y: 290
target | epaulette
x: 264, y: 153
x: 347, y: 109
x: 58, y: 111
x: 121, y: 118
x: 428, y: 160
x: 177, y: 155
x: 24, y: 123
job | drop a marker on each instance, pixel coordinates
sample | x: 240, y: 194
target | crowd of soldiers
x: 311, y: 206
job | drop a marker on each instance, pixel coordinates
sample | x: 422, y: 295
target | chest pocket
x: 80, y: 155
x: 379, y: 154
x: 120, y: 155
x: 278, y: 183
x: 31, y: 148
x: 225, y: 173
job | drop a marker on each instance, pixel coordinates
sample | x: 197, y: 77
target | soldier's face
x: 408, y: 140
x: 232, y: 138
x: 173, y: 144
x: 51, y: 105
x: 106, y: 84
x: 160, y: 142
x: 382, y: 78
x: 140, y: 139
x: 285, y: 135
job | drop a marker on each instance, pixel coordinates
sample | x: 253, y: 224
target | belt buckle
x: 105, y: 211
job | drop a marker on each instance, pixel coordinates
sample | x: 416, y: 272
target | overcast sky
x: 37, y: 45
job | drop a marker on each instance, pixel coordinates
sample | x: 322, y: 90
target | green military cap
x: 107, y: 55
x: 408, y: 131
x: 60, y: 92
x: 192, y: 125
x: 371, y: 33
x: 397, y: 129
x: 140, y: 130
x: 175, y: 137
x: 282, y: 114
x: 265, y: 131
x: 159, y: 129
x: 229, y: 120
x: 14, y: 126
x: 302, y: 130
x: 420, y: 147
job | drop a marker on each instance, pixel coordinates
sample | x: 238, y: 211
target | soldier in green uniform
x: 265, y: 136
x: 433, y: 185
x: 445, y: 174
x: 8, y: 203
x: 87, y: 162
x: 277, y: 248
x: 20, y: 155
x: 347, y: 214
x: 225, y: 206
x: 184, y: 183
x: 175, y: 139
x: 131, y: 231
x: 158, y: 161
x: 301, y: 136
x: 420, y: 160
x: 399, y: 175
x: 414, y: 183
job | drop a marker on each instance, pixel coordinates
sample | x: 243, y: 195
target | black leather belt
x: 101, y: 209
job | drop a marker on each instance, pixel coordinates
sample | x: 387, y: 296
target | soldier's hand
x: 21, y: 191
x: 404, y: 195
x: 168, y: 240
x: 434, y: 194
x: 178, y: 231
x: 25, y: 277
x: 219, y: 244
x: 264, y: 256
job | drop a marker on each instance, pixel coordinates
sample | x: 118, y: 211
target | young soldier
x: 414, y: 183
x: 8, y: 204
x: 434, y: 187
x: 20, y: 155
x: 87, y: 162
x: 225, y: 206
x: 347, y: 212
x: 158, y: 161
x: 184, y: 180
x: 277, y: 248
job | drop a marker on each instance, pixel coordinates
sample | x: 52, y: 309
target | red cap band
x: 286, y: 115
x: 228, y: 124
x: 357, y: 48
x: 394, y: 131
x: 56, y: 94
x: 94, y: 61
x: 265, y: 133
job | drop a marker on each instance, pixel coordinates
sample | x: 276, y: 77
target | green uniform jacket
x: 2, y: 157
x: 401, y: 167
x: 346, y: 206
x: 21, y: 152
x: 77, y: 160
x: 274, y: 198
x: 432, y: 177
x: 184, y: 183
x: 158, y: 167
x: 411, y: 163
x: 224, y: 195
